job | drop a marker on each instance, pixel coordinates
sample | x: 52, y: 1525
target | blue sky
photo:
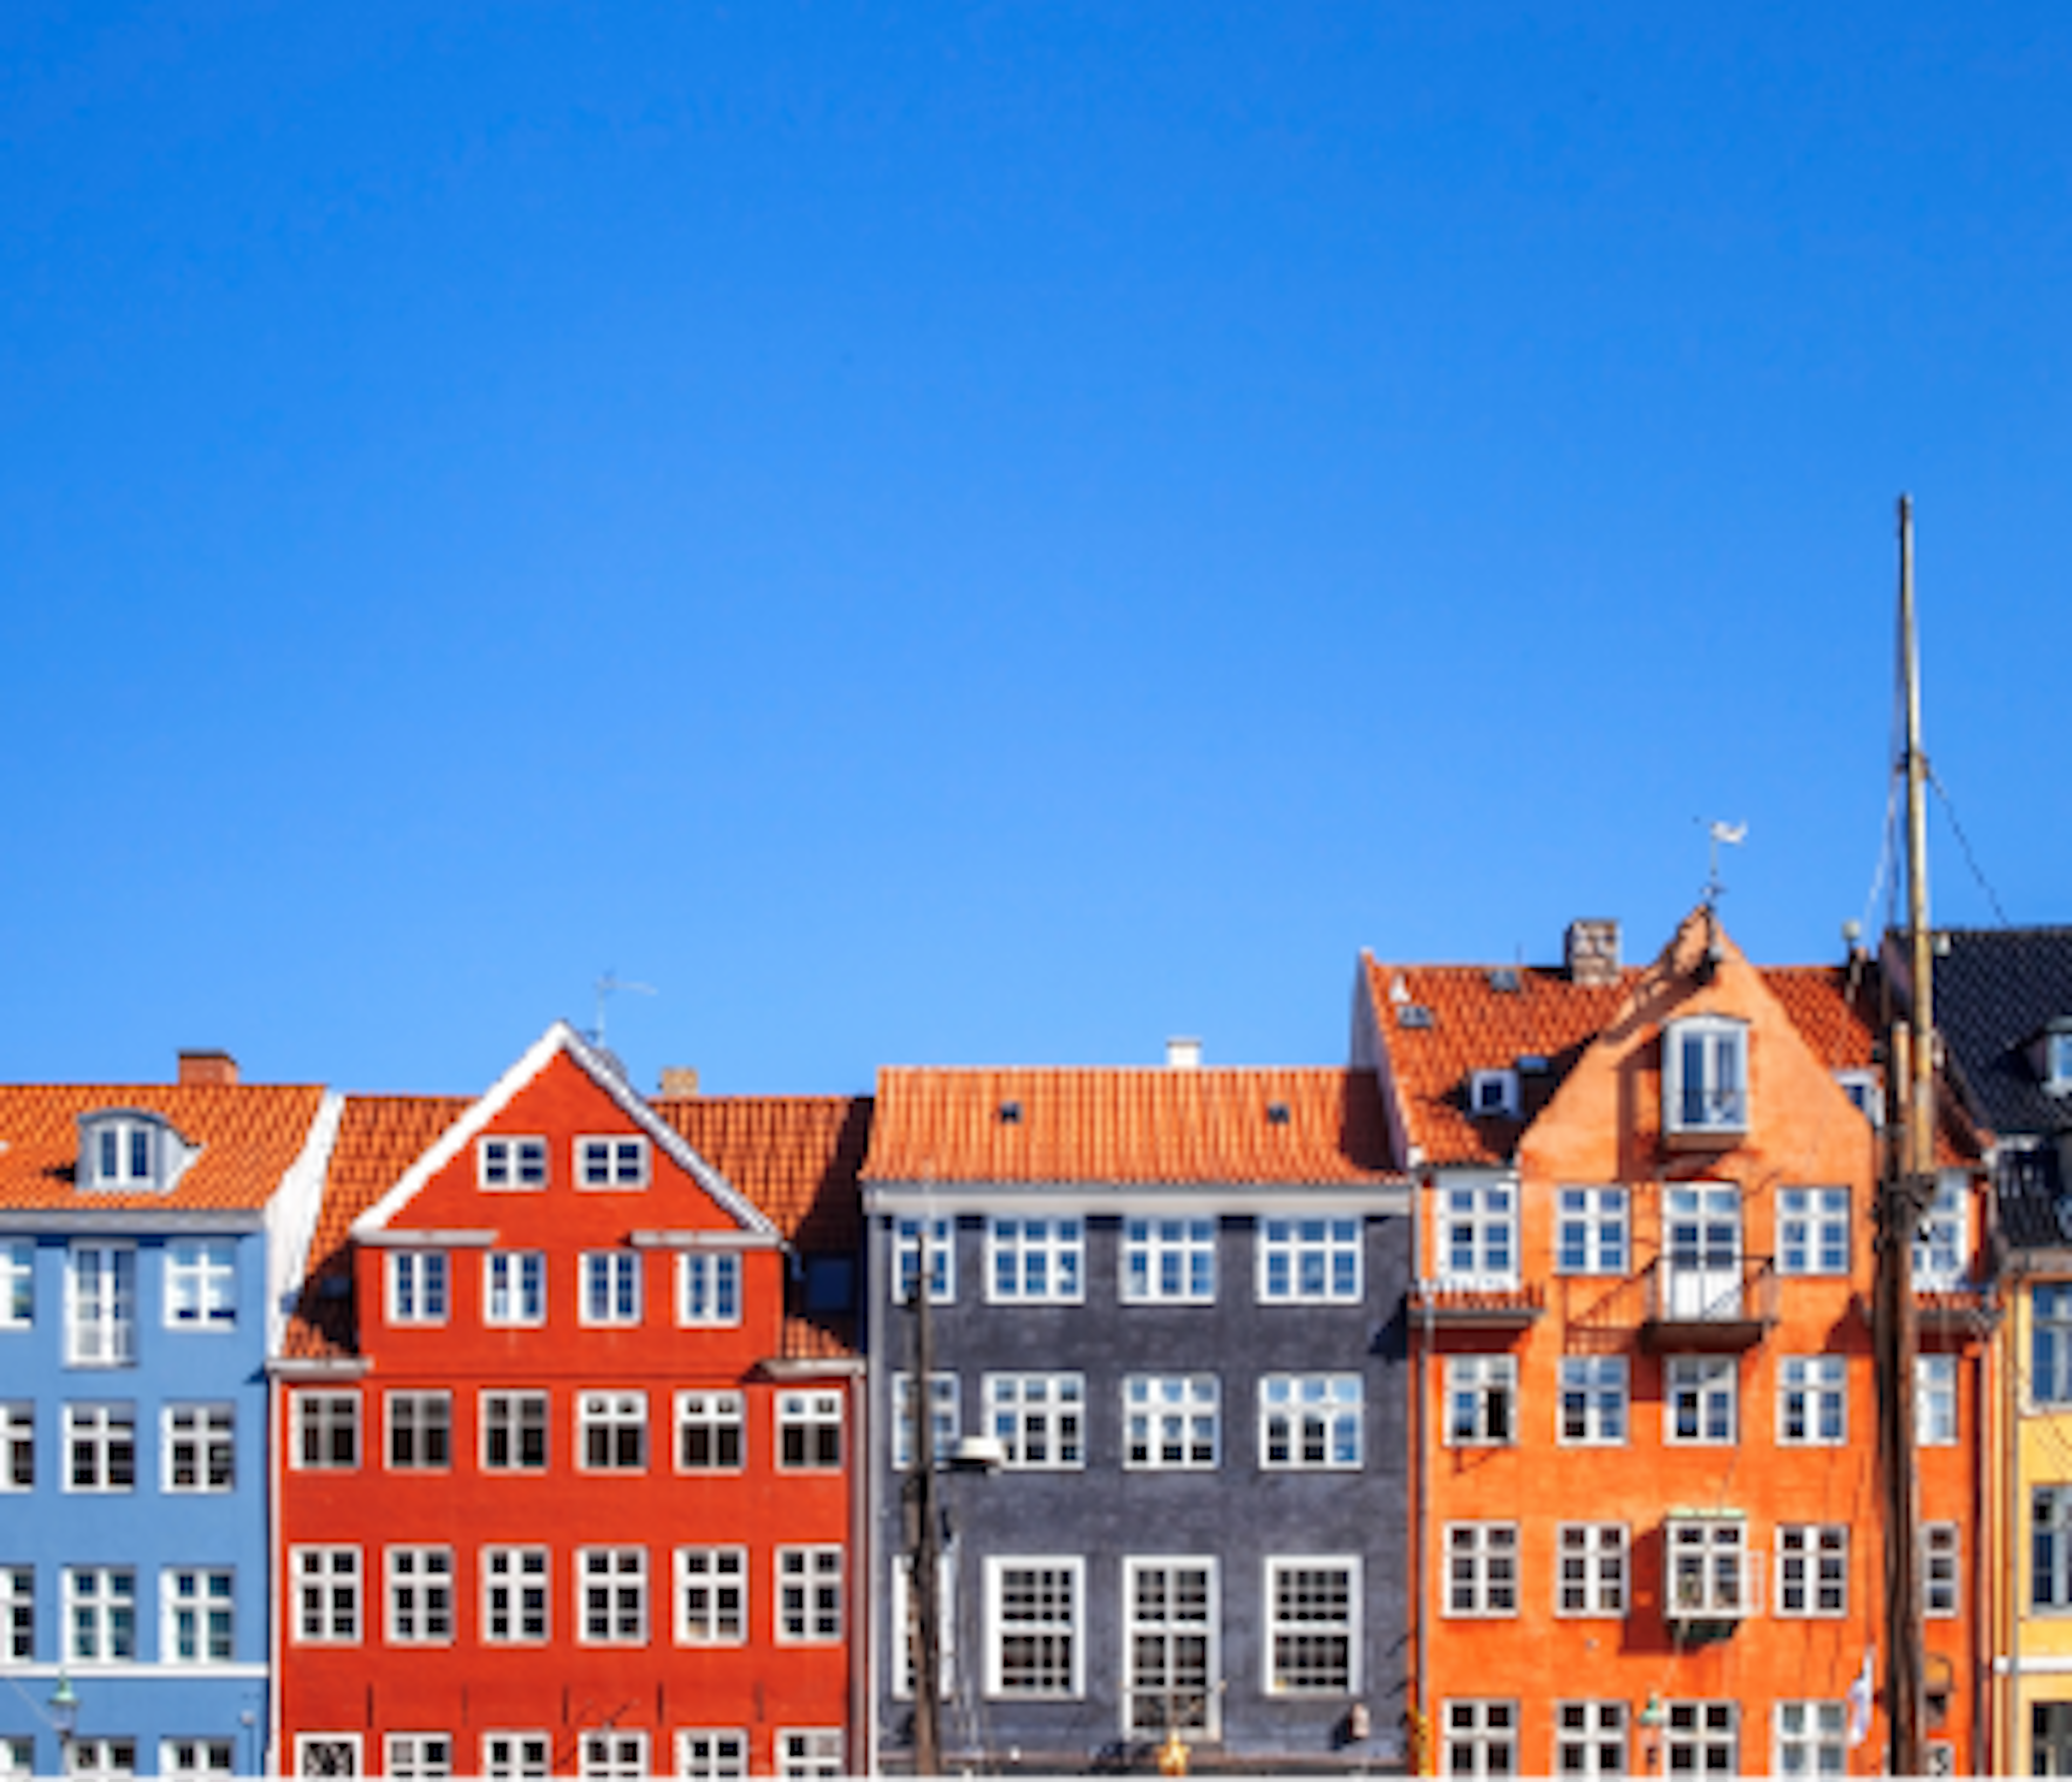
x: 997, y: 532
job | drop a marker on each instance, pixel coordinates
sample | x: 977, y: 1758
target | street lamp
x: 64, y: 1719
x: 1652, y: 1719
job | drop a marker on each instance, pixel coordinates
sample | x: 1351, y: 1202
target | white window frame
x: 1812, y: 1571
x: 810, y: 1596
x: 1172, y: 1422
x: 711, y: 1754
x: 1713, y: 1384
x: 197, y: 1616
x: 1811, y: 1738
x: 609, y: 1289
x: 418, y: 1288
x: 1593, y: 1231
x: 1482, y: 1571
x: 103, y: 1760
x: 1168, y: 1261
x: 192, y: 1440
x: 418, y: 1599
x: 712, y: 1596
x: 1035, y: 1261
x: 315, y: 1414
x: 509, y: 1162
x: 1812, y: 1401
x: 517, y: 1587
x: 422, y: 1423
x: 1477, y: 1247
x: 900, y: 1627
x: 1184, y: 1606
x: 1942, y: 1570
x: 1592, y: 1570
x: 1292, y: 1617
x: 1935, y: 1401
x: 1814, y: 1231
x: 99, y: 1601
x: 1593, y: 1407
x: 106, y: 1435
x: 607, y: 1754
x: 196, y: 1760
x: 18, y: 1283
x: 607, y: 1163
x: 718, y: 1413
x: 1039, y: 1419
x: 507, y: 1413
x: 1493, y: 1094
x: 1051, y: 1681
x: 2050, y: 1543
x: 612, y: 1590
x: 17, y: 1445
x: 610, y: 1413
x: 1482, y: 1401
x: 2049, y: 1344
x: 1479, y: 1736
x: 514, y: 1289
x: 1718, y: 1102
x: 1942, y: 1252
x: 201, y: 1284
x: 329, y: 1596
x: 327, y: 1754
x: 1695, y: 1727
x: 945, y: 1418
x: 1301, y: 1414
x: 810, y: 1752
x: 18, y: 1614
x: 810, y: 1435
x: 1591, y: 1739
x: 101, y: 1316
x: 417, y: 1756
x: 942, y: 1259
x: 124, y: 1153
x: 511, y: 1754
x: 1709, y: 1571
x: 1312, y: 1260
x: 708, y: 1289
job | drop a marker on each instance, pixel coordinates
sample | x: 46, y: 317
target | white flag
x: 1860, y: 1703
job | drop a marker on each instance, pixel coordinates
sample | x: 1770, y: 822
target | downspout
x: 2003, y: 1760
x: 1425, y: 1725
x: 859, y: 1567
x: 276, y: 1399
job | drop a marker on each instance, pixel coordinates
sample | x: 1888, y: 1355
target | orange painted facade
x: 1560, y: 1635
x: 625, y: 1661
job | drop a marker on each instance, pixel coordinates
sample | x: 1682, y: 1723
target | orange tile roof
x: 250, y: 1135
x: 1127, y: 1125
x: 796, y: 1157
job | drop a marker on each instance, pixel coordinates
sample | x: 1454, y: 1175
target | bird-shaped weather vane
x: 1733, y: 834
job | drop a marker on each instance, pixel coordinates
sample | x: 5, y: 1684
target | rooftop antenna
x: 1732, y: 835
x: 606, y: 986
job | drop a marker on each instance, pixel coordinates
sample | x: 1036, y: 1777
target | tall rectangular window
x: 1705, y: 1075
x: 420, y: 1431
x: 1311, y: 1420
x: 1172, y: 1420
x: 1482, y: 1401
x: 611, y: 1287
x: 1699, y: 1394
x: 708, y: 1431
x: 1942, y: 1558
x: 1812, y: 1401
x: 1313, y: 1626
x: 611, y: 1585
x: 514, y: 1431
x: 416, y: 1287
x: 2050, y: 1343
x: 513, y: 1595
x: 18, y: 1612
x: 101, y: 1306
x: 707, y: 1288
x: 809, y: 1593
x: 326, y: 1429
x: 1481, y: 1568
x: 18, y: 1445
x: 1479, y: 1737
x: 1168, y: 1260
x: 1308, y: 1261
x: 101, y: 1447
x: 612, y: 1431
x: 18, y: 1283
x: 942, y: 1259
x: 201, y: 1284
x: 326, y: 1581
x: 1935, y: 1401
x: 1589, y: 1739
x: 1171, y: 1644
x: 199, y: 1611
x: 1478, y: 1236
x: 2050, y: 1547
x: 1812, y: 1231
x: 200, y: 1445
x: 809, y: 1430
x: 712, y: 1596
x: 1035, y: 1261
x: 1591, y: 1232
x: 1708, y: 1567
x: 421, y: 1595
x: 1593, y: 1400
x: 1038, y: 1418
x: 1591, y: 1579
x: 1035, y: 1628
x: 945, y: 1418
x: 514, y: 1288
x: 1812, y: 1569
x: 100, y: 1614
x: 1942, y: 1251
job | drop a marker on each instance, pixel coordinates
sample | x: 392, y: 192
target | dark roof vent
x: 1531, y: 1064
x: 1414, y: 1015
x: 1504, y: 977
x: 1276, y: 1113
x: 1010, y: 1114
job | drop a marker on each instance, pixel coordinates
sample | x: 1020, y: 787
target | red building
x: 568, y: 1423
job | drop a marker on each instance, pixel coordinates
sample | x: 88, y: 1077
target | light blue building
x: 147, y: 1235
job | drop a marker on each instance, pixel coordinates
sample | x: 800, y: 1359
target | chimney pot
x: 1183, y: 1054
x: 208, y: 1070
x: 679, y: 1079
x: 1592, y: 951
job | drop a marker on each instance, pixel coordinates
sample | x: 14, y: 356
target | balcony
x: 1713, y: 1579
x: 1708, y: 1307
x: 1486, y: 1306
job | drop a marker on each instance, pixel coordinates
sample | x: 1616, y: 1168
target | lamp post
x: 64, y: 1719
x: 1651, y: 1719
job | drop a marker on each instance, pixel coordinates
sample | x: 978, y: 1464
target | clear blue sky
x: 997, y: 532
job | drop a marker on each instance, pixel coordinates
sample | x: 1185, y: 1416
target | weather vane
x: 606, y: 986
x: 1733, y: 834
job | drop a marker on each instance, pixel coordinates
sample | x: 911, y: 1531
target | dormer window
x: 1861, y: 1087
x: 612, y: 1162
x: 2055, y: 1063
x: 129, y: 1151
x: 1704, y: 1077
x: 1494, y: 1092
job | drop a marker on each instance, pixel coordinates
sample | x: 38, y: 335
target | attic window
x: 128, y: 1151
x: 1504, y: 977
x: 1010, y: 1114
x: 1413, y: 1015
x: 2058, y: 1058
x: 1493, y: 1094
x: 1276, y: 1113
x: 1533, y: 1064
x: 1861, y: 1087
x: 1704, y: 1077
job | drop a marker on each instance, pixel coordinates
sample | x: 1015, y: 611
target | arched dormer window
x: 1704, y: 1077
x: 130, y: 1150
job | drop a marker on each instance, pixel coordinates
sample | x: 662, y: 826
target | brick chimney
x: 208, y: 1070
x: 678, y: 1080
x: 1591, y: 951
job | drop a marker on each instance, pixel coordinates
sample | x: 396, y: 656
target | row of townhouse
x: 1499, y: 1402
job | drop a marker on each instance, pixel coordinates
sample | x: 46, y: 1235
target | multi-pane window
x: 2050, y: 1546
x: 1481, y: 1568
x: 18, y: 1445
x: 1478, y: 1236
x: 102, y: 1759
x: 1812, y: 1739
x: 1700, y: 1738
x: 1170, y: 1645
x: 1309, y: 1261
x: 200, y: 1612
x: 2050, y: 1343
x: 1941, y: 1555
x: 945, y: 1418
x: 18, y: 1283
x: 326, y: 1429
x: 1593, y: 1400
x: 1699, y: 1391
x: 1590, y: 1231
x: 201, y: 1284
x: 1171, y: 1420
x: 712, y: 1596
x: 612, y: 1588
x: 942, y: 1259
x: 195, y: 1759
x: 101, y: 1306
x: 1591, y: 1569
x: 1313, y: 1626
x: 1941, y: 1250
x: 416, y: 1287
x: 1035, y: 1260
x: 1589, y: 1739
x: 1038, y: 1418
x: 707, y: 1288
x: 1708, y: 1568
x: 1035, y: 1626
x: 904, y: 1632
x: 511, y: 1162
x: 809, y: 1430
x: 1812, y: 1231
x: 612, y: 1756
x: 810, y: 1751
x: 421, y: 1595
x: 18, y: 1612
x: 809, y: 1593
x: 1311, y: 1420
x: 100, y: 1614
x: 18, y: 1759
x: 612, y: 1432
x: 200, y: 1445
x: 708, y: 1431
x: 514, y: 1431
x: 1482, y: 1401
x: 610, y: 1287
x: 1705, y: 1075
x: 507, y: 1756
x: 611, y: 1162
x: 1479, y: 1737
x: 326, y: 1581
x: 1812, y: 1568
x: 326, y: 1753
x: 101, y: 1447
x: 1812, y: 1400
x: 420, y: 1429
x: 514, y: 1287
x: 417, y: 1756
x: 1168, y: 1260
x: 514, y: 1595
x: 1935, y: 1401
x: 707, y: 1755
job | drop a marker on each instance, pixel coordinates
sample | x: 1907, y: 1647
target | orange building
x: 1646, y: 1533
x: 564, y: 1474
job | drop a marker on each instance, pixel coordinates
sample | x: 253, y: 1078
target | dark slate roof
x: 1995, y: 991
x: 2032, y: 1213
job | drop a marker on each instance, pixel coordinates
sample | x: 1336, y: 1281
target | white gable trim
x: 291, y: 1216
x: 560, y: 1037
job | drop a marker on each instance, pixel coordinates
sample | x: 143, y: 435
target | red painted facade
x: 460, y: 1518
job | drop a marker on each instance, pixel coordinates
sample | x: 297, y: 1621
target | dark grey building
x: 1169, y: 1396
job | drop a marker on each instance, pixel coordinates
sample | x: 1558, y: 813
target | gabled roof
x: 1127, y: 1125
x: 1996, y: 990
x: 796, y: 1157
x: 249, y: 1137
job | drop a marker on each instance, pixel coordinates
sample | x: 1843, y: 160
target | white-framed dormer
x: 2051, y: 1052
x: 131, y: 1151
x: 1865, y: 1089
x: 1704, y: 1077
x: 1493, y: 1094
